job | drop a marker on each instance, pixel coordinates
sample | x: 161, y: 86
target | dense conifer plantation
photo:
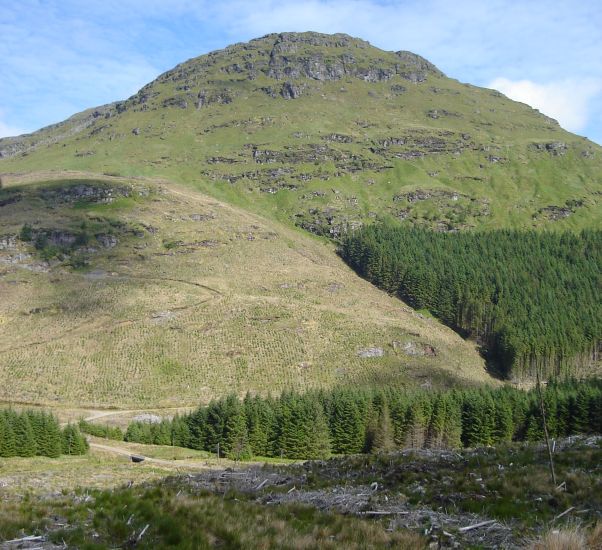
x: 316, y: 424
x: 33, y: 433
x: 532, y: 299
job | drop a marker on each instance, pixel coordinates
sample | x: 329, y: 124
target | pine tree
x: 383, y: 441
x: 236, y: 437
x: 260, y: 424
x: 25, y: 442
x: 74, y: 443
x: 8, y: 446
x: 133, y: 433
x: 304, y: 432
x: 436, y: 427
x: 180, y: 432
x: 51, y: 443
x: 415, y: 426
x: 347, y: 427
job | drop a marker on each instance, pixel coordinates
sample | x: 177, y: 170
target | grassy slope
x: 182, y: 310
x: 488, y: 142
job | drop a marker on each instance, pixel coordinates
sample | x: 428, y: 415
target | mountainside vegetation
x: 532, y: 299
x: 147, y: 247
x: 130, y: 292
x: 177, y: 251
x: 315, y: 424
x: 325, y: 131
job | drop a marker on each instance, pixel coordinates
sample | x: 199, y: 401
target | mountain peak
x: 311, y: 55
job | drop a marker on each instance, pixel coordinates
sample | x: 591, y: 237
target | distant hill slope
x: 328, y: 132
x: 123, y: 292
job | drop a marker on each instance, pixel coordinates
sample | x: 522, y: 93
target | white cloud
x: 568, y: 101
x: 7, y: 130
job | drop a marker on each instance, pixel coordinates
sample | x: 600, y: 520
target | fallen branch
x: 142, y: 532
x: 564, y: 513
x: 30, y: 538
x: 261, y: 484
x: 476, y: 526
x: 382, y: 513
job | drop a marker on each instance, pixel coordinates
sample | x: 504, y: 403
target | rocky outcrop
x: 338, y: 138
x: 426, y: 194
x: 290, y: 91
x: 370, y: 352
x: 416, y: 349
x: 8, y: 242
x: 315, y: 56
x: 441, y: 113
x: 556, y: 213
x: 107, y: 240
x: 555, y: 148
x: 84, y: 192
x: 327, y: 221
x: 219, y: 97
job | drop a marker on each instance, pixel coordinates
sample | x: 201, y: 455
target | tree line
x: 347, y: 421
x: 36, y: 433
x: 532, y: 299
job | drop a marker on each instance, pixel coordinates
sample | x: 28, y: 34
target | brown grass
x: 266, y: 308
x: 573, y: 538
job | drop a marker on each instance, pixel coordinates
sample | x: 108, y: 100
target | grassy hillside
x: 327, y: 132
x: 151, y: 251
x: 132, y: 292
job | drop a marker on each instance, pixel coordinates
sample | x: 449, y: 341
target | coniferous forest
x: 35, y: 433
x: 531, y: 299
x: 348, y: 421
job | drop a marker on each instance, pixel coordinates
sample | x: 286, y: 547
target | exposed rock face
x: 290, y: 91
x: 290, y: 57
x: 417, y: 349
x: 370, y: 352
x: 556, y: 213
x: 555, y: 148
x: 84, y: 192
x: 107, y: 241
x: 295, y: 56
x: 8, y: 242
x: 54, y: 237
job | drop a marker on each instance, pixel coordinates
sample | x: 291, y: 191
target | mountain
x: 156, y: 251
x: 328, y: 132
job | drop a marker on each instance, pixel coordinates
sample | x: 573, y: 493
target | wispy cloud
x: 7, y: 129
x: 568, y: 101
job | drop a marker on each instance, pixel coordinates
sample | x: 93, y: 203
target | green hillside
x: 326, y: 132
x: 132, y: 292
x: 154, y: 250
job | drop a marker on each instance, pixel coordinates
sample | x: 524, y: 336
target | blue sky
x: 60, y: 57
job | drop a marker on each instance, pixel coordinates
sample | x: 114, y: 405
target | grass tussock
x: 572, y: 538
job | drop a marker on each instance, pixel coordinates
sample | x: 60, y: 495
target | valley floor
x: 480, y: 498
